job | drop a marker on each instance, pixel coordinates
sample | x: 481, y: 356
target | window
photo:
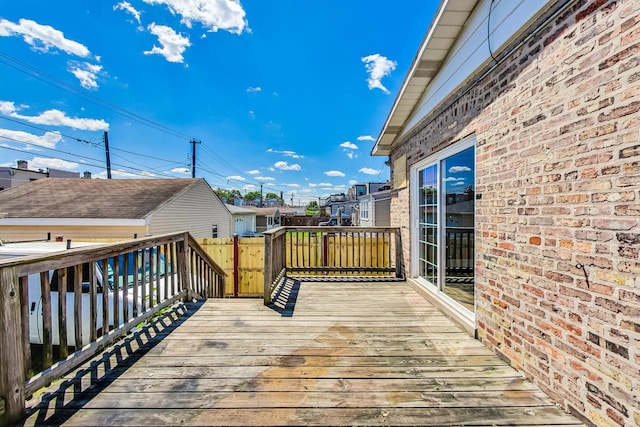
x: 443, y: 207
x: 364, y: 210
x: 214, y: 231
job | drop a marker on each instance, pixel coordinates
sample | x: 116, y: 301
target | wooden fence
x: 331, y: 251
x: 243, y: 261
x: 82, y: 300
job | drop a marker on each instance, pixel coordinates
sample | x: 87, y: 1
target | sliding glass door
x: 444, y: 215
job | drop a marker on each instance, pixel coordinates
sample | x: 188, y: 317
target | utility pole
x: 193, y: 157
x: 261, y: 199
x: 106, y: 148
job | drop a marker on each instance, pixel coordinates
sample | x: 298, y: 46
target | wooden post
x: 93, y: 301
x: 235, y: 266
x: 105, y: 296
x: 183, y: 259
x: 47, y: 343
x: 77, y: 297
x: 26, y: 343
x: 268, y: 267
x: 136, y: 283
x: 63, y: 340
x: 325, y: 249
x: 399, y: 257
x: 11, y: 348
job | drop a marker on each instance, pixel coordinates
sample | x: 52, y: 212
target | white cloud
x: 366, y: 138
x: 214, y: 15
x: 452, y: 179
x: 325, y: 184
x: 42, y: 163
x: 378, y: 67
x: 254, y: 89
x: 264, y: 178
x: 458, y: 184
x: 173, y: 44
x: 85, y: 72
x: 292, y: 185
x: 236, y: 178
x: 119, y: 173
x: 349, y: 145
x: 252, y: 114
x: 253, y: 172
x: 48, y: 140
x: 286, y: 166
x: 42, y: 37
x: 313, y: 185
x: 369, y: 171
x: 127, y: 7
x: 334, y: 173
x: 54, y: 118
x: 286, y: 153
x: 353, y: 182
x: 181, y: 170
x: 249, y: 187
x: 456, y: 169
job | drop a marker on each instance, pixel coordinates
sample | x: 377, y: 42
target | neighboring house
x: 244, y: 221
x: 12, y: 177
x: 358, y: 190
x: 520, y: 121
x: 339, y: 202
x: 112, y: 208
x: 374, y: 209
x: 272, y: 217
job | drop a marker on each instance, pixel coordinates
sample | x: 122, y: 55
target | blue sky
x: 287, y: 94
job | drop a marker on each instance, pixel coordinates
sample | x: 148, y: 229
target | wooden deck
x: 335, y: 354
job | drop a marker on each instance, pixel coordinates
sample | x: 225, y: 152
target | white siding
x: 471, y: 49
x: 382, y: 215
x: 195, y: 211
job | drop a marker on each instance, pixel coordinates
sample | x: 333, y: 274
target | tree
x: 272, y: 196
x: 228, y: 194
x: 252, y: 195
x: 312, y: 208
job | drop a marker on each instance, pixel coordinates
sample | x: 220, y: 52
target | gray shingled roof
x: 90, y: 198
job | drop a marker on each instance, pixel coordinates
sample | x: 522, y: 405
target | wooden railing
x: 325, y: 251
x: 459, y: 251
x: 82, y: 300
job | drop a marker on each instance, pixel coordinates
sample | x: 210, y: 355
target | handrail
x: 90, y: 296
x: 321, y: 251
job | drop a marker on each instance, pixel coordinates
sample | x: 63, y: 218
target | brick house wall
x: 557, y: 126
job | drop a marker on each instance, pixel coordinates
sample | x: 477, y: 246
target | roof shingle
x: 90, y: 198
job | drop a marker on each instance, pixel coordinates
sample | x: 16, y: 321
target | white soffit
x: 442, y: 34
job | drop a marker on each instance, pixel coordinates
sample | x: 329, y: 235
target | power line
x: 47, y: 130
x: 92, y: 143
x: 75, y: 155
x: 60, y: 84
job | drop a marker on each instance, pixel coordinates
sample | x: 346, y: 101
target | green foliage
x: 228, y: 194
x: 252, y: 195
x: 312, y: 208
x: 272, y: 196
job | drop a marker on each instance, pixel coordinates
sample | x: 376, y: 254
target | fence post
x: 11, y: 348
x: 399, y: 257
x: 184, y: 265
x: 235, y: 266
x: 268, y: 267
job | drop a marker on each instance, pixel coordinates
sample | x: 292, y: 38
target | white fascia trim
x: 78, y: 222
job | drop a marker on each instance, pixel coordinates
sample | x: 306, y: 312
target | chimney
x: 23, y: 164
x: 86, y: 175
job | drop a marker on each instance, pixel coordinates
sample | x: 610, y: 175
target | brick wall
x: 558, y: 167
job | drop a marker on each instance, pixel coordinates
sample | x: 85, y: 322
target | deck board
x: 348, y: 354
